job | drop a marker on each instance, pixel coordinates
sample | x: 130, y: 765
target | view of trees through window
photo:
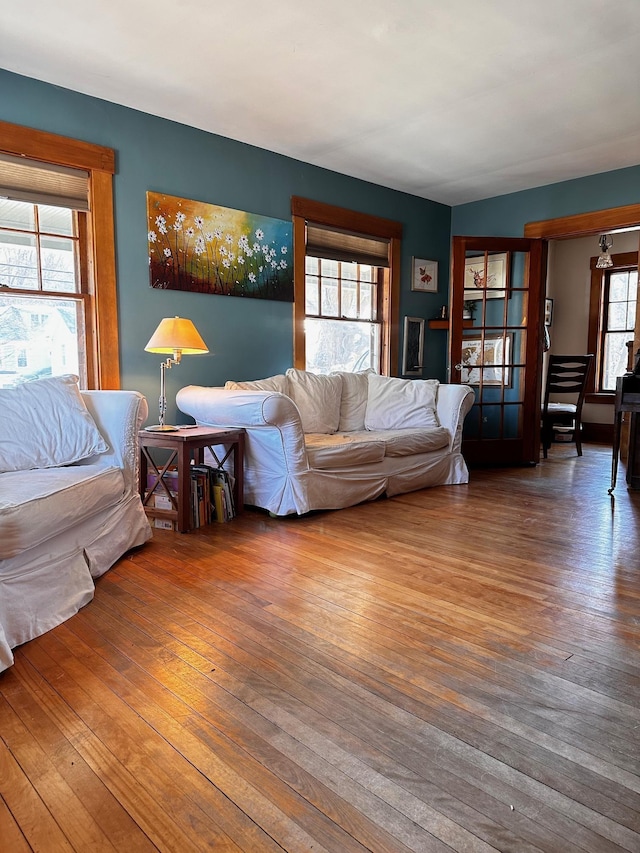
x: 342, y: 327
x: 619, y: 323
x: 41, y: 305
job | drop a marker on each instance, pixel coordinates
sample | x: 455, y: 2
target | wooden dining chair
x: 566, y: 375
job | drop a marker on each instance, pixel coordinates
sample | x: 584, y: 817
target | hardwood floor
x: 453, y: 669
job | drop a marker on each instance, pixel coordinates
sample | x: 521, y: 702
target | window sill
x: 606, y: 398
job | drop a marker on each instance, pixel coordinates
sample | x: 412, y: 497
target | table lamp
x: 177, y: 336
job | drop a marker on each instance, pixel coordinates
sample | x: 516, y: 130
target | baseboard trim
x: 598, y: 433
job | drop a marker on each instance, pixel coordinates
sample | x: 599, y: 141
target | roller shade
x: 22, y: 179
x: 337, y: 245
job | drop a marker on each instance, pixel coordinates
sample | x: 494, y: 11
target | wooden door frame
x: 584, y: 224
x: 525, y: 448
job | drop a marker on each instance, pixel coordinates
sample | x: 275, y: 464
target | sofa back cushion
x: 276, y: 383
x: 317, y: 398
x: 400, y: 403
x: 45, y: 424
x: 353, y: 403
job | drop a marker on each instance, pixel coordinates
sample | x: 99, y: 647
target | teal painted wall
x: 506, y: 215
x: 248, y: 338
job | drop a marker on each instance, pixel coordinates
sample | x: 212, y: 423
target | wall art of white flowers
x: 205, y: 248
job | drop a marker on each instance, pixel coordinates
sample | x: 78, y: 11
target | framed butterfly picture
x: 425, y: 275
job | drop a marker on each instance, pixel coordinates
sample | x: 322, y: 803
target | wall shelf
x: 444, y: 324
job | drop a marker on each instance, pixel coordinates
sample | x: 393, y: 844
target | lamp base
x: 162, y: 428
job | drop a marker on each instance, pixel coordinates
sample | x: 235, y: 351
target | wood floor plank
x: 10, y: 832
x: 246, y: 678
x: 256, y: 750
x: 23, y: 801
x: 456, y: 669
x: 33, y: 701
x: 65, y: 806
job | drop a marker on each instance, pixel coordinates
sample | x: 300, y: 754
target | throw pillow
x: 353, y: 403
x: 400, y: 403
x: 45, y: 424
x: 272, y: 383
x: 318, y: 399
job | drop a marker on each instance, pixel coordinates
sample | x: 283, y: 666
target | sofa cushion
x: 45, y: 424
x: 318, y: 399
x: 353, y: 402
x: 342, y: 450
x: 276, y: 383
x: 400, y: 403
x: 408, y: 442
x: 59, y: 498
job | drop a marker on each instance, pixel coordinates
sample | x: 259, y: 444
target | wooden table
x: 627, y: 400
x: 186, y: 445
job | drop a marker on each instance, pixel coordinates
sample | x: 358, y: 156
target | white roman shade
x: 22, y: 179
x: 336, y: 244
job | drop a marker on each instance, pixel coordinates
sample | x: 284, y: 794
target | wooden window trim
x: 103, y: 363
x: 304, y: 209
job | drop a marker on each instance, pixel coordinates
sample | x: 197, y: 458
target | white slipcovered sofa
x: 325, y: 442
x: 69, y: 501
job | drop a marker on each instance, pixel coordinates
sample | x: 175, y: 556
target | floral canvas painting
x: 205, y: 248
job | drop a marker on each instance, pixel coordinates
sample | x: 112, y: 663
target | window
x: 57, y: 259
x: 345, y: 268
x: 42, y: 331
x: 612, y: 318
x: 342, y: 326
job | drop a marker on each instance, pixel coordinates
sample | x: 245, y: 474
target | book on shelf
x: 215, y: 493
x: 211, y: 494
x: 162, y: 501
x: 170, y: 478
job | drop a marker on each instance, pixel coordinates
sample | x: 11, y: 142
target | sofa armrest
x: 270, y: 419
x: 453, y: 404
x: 119, y: 416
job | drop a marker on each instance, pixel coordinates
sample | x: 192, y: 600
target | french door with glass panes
x: 496, y: 323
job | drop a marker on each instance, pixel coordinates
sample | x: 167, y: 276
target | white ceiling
x: 452, y: 100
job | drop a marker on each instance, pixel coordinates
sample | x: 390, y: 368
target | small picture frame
x: 548, y: 312
x: 487, y: 360
x: 424, y: 275
x: 491, y: 279
x: 413, y: 349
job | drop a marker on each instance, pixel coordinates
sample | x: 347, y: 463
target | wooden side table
x: 186, y: 445
x: 627, y: 400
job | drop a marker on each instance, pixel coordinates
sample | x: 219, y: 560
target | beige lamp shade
x: 176, y: 334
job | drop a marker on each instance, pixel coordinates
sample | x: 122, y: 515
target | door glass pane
x: 493, y: 350
x: 40, y: 337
